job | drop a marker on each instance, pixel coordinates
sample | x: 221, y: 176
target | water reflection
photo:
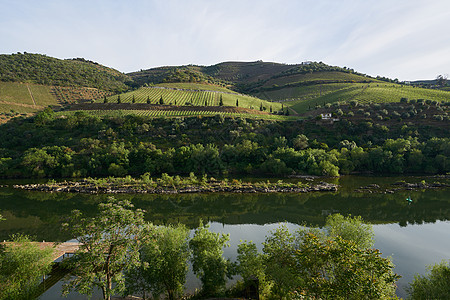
x: 41, y: 214
x: 413, y: 234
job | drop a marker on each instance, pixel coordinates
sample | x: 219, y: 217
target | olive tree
x: 109, y: 242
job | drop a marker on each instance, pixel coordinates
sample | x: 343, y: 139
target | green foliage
x: 339, y: 269
x: 164, y: 263
x: 22, y: 265
x: 82, y: 145
x: 433, y: 285
x: 46, y: 70
x: 351, y: 229
x: 334, y: 263
x: 109, y: 243
x: 207, y: 259
x: 44, y: 117
x: 279, y: 262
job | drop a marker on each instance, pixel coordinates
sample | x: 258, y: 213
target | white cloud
x: 377, y: 37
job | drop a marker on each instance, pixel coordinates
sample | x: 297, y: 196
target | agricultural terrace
x: 317, y: 76
x: 157, y: 111
x: 365, y: 93
x: 195, y: 86
x: 187, y: 97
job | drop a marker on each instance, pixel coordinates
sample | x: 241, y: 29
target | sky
x: 404, y: 39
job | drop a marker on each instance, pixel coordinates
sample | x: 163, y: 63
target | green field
x: 16, y: 97
x: 198, y: 97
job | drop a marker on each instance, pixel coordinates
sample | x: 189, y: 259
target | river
x: 414, y: 235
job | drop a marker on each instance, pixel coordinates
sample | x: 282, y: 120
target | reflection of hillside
x: 41, y: 214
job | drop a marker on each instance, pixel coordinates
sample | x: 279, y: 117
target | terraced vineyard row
x: 177, y: 113
x: 373, y: 93
x: 186, y: 97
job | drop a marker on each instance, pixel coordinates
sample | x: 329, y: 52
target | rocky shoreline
x: 400, y: 186
x: 85, y: 187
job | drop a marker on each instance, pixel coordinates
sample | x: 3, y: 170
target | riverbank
x: 174, y: 185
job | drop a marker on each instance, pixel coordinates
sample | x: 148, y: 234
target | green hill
x: 42, y: 69
x: 30, y: 82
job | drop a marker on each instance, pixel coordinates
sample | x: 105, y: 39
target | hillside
x: 31, y: 82
x: 42, y: 69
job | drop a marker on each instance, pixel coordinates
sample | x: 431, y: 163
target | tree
x: 434, y: 285
x: 44, y: 117
x: 148, y: 99
x: 220, y: 101
x: 109, y: 243
x: 105, y: 100
x: 133, y: 100
x: 237, y: 102
x: 118, y: 99
x: 441, y: 80
x: 339, y: 269
x: 261, y: 107
x: 279, y: 262
x: 333, y: 263
x: 161, y: 100
x: 164, y: 262
x: 300, y: 142
x: 22, y: 265
x: 351, y: 229
x: 207, y: 259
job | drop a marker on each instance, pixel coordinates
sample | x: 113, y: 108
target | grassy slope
x: 17, y: 95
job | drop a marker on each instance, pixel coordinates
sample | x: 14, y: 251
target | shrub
x: 434, y: 285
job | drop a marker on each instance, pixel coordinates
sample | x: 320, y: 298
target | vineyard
x: 189, y: 97
x: 364, y: 93
x: 66, y: 95
x: 158, y: 111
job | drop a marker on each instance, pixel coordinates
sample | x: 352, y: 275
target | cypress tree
x: 148, y: 99
x: 118, y: 99
x: 134, y: 100
x: 237, y: 102
x: 161, y: 101
x: 220, y: 101
x: 105, y: 100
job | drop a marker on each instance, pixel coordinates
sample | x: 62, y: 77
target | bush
x: 434, y: 285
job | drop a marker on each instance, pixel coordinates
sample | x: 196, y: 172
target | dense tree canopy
x: 82, y: 145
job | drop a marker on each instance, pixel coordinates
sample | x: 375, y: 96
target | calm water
x: 414, y: 235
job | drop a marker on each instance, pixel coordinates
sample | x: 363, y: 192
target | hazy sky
x: 404, y: 39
